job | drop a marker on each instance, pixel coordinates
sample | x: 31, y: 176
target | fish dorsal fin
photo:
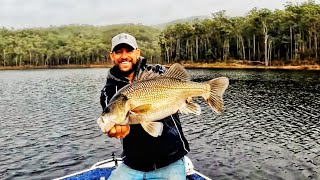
x: 177, y: 71
x: 147, y: 74
x: 191, y: 108
x: 142, y: 109
x: 153, y: 128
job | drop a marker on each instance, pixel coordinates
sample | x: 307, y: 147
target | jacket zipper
x: 184, y: 146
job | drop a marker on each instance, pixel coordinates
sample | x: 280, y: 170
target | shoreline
x: 186, y: 65
x: 248, y: 66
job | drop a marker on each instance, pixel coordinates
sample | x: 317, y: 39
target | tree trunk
x: 191, y: 51
x: 20, y: 60
x: 47, y: 61
x: 269, y: 52
x: 4, y: 57
x: 249, y: 53
x: 171, y: 48
x: 238, y: 49
x: 68, y: 61
x: 291, y: 42
x: 265, y: 45
x: 187, y: 49
x: 259, y: 51
x: 310, y: 41
x: 243, y: 49
x: 296, y: 49
x: 228, y: 49
x: 168, y: 54
x: 178, y: 50
x: 279, y: 55
x: 30, y: 58
x: 37, y: 60
x: 254, y: 47
x: 42, y: 59
x: 205, y: 46
x: 197, y: 48
x: 316, y: 44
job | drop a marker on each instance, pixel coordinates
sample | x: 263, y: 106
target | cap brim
x: 123, y: 44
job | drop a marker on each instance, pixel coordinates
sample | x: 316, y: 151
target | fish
x: 152, y: 97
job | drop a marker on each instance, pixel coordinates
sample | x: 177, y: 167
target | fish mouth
x: 105, y: 126
x: 101, y: 124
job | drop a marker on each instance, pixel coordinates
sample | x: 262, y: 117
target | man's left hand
x: 119, y: 131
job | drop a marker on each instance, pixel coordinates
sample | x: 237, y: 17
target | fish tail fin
x: 217, y: 88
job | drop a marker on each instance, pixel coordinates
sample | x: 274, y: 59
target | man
x: 144, y: 156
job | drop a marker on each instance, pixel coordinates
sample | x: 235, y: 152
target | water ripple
x: 269, y: 129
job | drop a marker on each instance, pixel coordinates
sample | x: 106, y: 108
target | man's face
x: 125, y: 57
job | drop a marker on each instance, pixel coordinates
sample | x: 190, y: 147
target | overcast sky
x: 43, y: 13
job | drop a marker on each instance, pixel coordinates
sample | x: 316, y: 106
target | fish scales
x: 165, y: 95
x: 164, y: 89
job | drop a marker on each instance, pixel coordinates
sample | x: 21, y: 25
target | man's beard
x: 127, y: 73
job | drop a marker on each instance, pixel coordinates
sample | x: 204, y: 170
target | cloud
x: 31, y: 13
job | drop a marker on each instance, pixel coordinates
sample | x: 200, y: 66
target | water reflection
x: 269, y: 130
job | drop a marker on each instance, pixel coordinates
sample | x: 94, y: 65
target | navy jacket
x: 140, y: 150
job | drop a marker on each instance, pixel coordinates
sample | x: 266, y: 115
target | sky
x: 43, y: 13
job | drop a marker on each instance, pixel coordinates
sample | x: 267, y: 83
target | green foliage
x: 262, y: 35
x: 72, y: 44
x: 289, y: 35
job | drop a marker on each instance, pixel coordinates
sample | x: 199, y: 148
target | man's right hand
x: 119, y: 131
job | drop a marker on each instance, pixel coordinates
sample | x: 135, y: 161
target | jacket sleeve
x: 103, y: 97
x: 158, y: 68
x: 107, y: 92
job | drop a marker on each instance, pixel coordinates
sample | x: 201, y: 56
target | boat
x: 102, y: 170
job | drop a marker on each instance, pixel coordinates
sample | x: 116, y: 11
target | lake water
x: 270, y: 128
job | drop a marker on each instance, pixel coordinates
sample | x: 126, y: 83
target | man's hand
x: 119, y: 131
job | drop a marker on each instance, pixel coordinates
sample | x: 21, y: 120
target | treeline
x: 285, y: 36
x: 71, y: 44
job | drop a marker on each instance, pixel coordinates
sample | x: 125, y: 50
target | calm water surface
x: 270, y: 128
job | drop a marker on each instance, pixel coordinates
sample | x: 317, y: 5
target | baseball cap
x: 124, y: 38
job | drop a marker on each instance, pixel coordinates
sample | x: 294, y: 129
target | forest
x: 262, y: 36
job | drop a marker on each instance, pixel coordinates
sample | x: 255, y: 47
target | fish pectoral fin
x: 191, y: 108
x: 142, y: 109
x: 105, y: 125
x: 153, y: 128
x: 134, y: 118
